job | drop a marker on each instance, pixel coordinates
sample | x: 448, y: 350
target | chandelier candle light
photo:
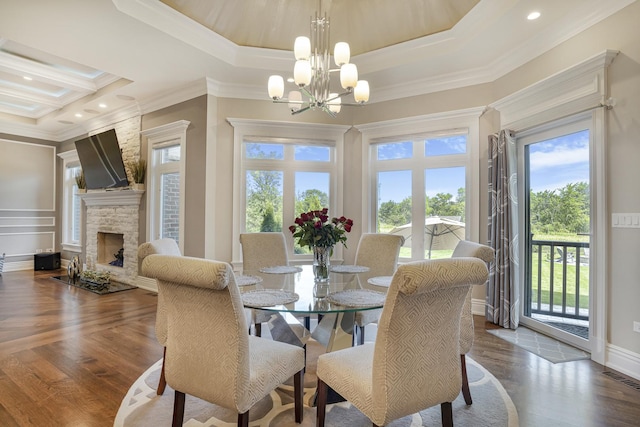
x: 311, y: 74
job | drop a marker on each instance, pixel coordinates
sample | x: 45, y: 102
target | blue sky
x: 556, y: 162
x: 553, y: 164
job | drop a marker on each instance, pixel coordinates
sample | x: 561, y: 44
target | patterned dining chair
x: 160, y: 247
x: 414, y: 362
x: 465, y: 248
x: 261, y: 250
x: 209, y: 354
x: 378, y: 252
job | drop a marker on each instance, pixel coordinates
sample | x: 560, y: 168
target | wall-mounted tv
x: 101, y: 161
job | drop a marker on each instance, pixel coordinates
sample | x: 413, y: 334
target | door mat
x: 552, y: 350
x: 113, y: 286
x: 581, y: 331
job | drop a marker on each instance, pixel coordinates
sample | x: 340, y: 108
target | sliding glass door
x: 556, y: 218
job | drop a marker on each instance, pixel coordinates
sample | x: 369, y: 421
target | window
x: 439, y: 166
x: 71, y: 203
x: 165, y: 185
x: 275, y: 174
x: 281, y: 172
x: 419, y: 182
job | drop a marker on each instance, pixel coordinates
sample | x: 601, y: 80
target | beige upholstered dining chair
x: 209, y: 353
x: 465, y: 248
x: 414, y: 362
x: 160, y: 247
x: 380, y: 253
x: 261, y: 250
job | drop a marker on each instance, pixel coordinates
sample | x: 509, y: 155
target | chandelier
x: 311, y: 74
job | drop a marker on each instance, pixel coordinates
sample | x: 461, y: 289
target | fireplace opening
x: 110, y: 249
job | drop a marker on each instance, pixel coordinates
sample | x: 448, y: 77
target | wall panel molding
x: 27, y: 221
x: 27, y: 185
x: 27, y: 243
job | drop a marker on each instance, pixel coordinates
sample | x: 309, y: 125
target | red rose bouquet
x: 314, y: 228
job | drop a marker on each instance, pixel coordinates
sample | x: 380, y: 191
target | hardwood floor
x: 68, y: 356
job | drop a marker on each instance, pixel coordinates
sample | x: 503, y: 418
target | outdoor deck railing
x: 544, y: 295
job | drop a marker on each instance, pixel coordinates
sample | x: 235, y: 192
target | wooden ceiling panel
x: 367, y: 25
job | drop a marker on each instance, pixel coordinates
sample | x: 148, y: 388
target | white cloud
x: 563, y: 156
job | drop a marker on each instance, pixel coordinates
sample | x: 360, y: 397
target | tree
x: 263, y: 190
x: 565, y: 210
x: 442, y: 204
x: 269, y: 221
x: 574, y: 207
x: 311, y: 200
x: 395, y: 213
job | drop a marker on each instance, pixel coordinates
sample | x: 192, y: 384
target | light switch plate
x: 625, y: 220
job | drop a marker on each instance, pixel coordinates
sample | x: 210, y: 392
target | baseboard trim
x: 477, y: 306
x: 17, y: 266
x: 623, y: 360
x: 147, y: 283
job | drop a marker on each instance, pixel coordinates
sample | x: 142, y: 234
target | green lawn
x: 406, y: 253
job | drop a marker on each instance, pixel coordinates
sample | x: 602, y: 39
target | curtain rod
x: 608, y: 104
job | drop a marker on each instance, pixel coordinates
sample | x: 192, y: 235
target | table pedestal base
x: 335, y: 330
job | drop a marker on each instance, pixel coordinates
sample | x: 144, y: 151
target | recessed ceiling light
x: 290, y: 80
x: 533, y: 15
x: 102, y: 105
x: 78, y: 115
x: 125, y: 97
x: 27, y: 78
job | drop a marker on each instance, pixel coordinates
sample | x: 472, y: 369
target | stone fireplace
x: 112, y: 224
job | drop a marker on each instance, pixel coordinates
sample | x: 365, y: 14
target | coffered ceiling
x: 68, y: 67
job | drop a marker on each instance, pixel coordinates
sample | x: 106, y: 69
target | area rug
x: 552, y: 350
x: 113, y: 286
x: 141, y: 407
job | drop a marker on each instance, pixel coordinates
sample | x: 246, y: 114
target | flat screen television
x: 101, y: 161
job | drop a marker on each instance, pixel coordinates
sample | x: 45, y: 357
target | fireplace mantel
x: 112, y: 197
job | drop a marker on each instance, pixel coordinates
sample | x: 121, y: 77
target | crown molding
x: 173, y: 97
x: 574, y: 89
x: 172, y: 22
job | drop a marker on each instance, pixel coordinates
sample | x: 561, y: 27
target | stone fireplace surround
x: 113, y: 211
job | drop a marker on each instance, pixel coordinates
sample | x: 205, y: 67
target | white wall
x: 28, y: 194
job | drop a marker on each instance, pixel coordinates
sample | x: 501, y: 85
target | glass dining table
x: 293, y: 290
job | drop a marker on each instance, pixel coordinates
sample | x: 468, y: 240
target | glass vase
x: 321, y: 255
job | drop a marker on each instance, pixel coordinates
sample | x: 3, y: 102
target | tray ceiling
x: 367, y: 25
